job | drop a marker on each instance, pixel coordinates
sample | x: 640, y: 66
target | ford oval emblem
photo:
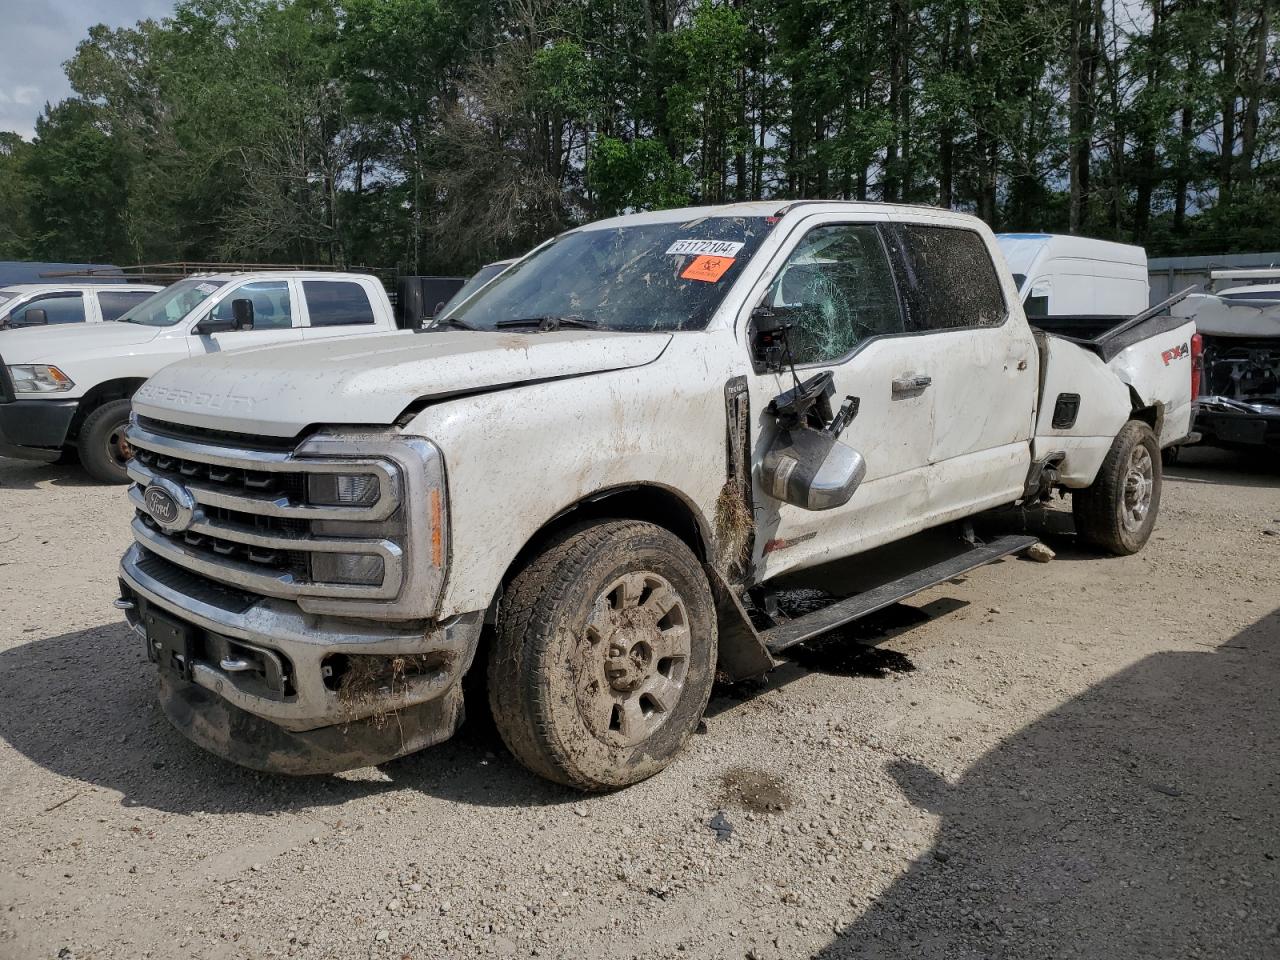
x: 169, y: 505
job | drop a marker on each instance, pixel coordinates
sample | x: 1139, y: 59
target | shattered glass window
x: 670, y: 275
x: 946, y: 278
x: 836, y: 291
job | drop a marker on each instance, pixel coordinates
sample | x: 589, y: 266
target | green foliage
x: 635, y: 175
x: 76, y: 210
x: 15, y: 198
x: 431, y: 135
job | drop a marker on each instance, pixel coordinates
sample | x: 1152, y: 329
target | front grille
x: 238, y: 479
x: 283, y: 526
x: 193, y: 585
x: 293, y: 562
x: 243, y: 518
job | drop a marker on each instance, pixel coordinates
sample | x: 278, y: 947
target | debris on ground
x: 754, y: 790
x: 1039, y: 552
x: 721, y: 826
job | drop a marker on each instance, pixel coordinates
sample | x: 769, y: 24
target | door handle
x: 910, y: 384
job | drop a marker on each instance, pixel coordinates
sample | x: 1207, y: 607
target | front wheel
x: 1118, y: 511
x: 604, y: 655
x: 102, y: 446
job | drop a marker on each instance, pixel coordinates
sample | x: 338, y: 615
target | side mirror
x: 811, y: 469
x: 33, y: 318
x: 242, y: 310
x: 212, y: 325
x: 436, y: 312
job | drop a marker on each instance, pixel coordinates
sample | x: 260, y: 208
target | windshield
x: 652, y: 276
x: 172, y: 303
x: 6, y: 296
x: 482, y: 276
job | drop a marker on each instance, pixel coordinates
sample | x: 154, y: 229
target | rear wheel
x: 102, y: 445
x: 604, y: 655
x: 1118, y: 512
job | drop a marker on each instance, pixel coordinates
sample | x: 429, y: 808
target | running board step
x: 804, y: 628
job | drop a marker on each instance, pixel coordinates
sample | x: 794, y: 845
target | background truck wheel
x: 103, y: 448
x: 1118, y: 512
x: 604, y: 655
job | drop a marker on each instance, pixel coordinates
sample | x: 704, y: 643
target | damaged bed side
x: 1143, y: 351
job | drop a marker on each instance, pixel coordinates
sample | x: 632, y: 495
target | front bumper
x: 35, y: 429
x: 290, y: 716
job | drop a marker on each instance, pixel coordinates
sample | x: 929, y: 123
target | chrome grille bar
x: 282, y: 507
x: 282, y: 541
x: 261, y: 579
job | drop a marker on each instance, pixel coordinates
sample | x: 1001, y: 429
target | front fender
x: 517, y: 458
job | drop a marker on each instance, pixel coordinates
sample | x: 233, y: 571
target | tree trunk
x: 1149, y: 128
x: 1231, y: 82
x: 1083, y: 74
x: 1254, y: 93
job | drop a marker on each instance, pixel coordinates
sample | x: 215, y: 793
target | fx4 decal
x: 1177, y: 353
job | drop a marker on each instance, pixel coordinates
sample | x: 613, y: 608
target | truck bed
x: 1106, y: 336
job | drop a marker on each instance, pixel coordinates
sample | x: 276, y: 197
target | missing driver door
x: 832, y: 282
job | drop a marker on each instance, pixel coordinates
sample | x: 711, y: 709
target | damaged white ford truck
x: 585, y: 482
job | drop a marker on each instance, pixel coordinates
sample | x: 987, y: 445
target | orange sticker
x: 707, y: 268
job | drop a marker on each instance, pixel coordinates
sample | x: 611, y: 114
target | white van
x: 1059, y: 275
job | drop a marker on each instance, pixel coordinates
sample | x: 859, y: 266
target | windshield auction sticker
x: 719, y: 248
x: 707, y: 269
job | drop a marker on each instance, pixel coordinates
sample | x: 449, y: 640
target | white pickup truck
x: 38, y: 304
x: 592, y: 474
x: 68, y: 387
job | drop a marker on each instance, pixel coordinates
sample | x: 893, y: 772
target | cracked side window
x: 946, y: 278
x: 836, y: 291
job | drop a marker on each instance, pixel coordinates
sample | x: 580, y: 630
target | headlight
x: 342, y: 489
x: 38, y: 378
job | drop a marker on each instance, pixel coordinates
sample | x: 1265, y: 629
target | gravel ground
x: 1072, y: 759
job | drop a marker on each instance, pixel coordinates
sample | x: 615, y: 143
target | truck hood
x: 72, y: 341
x: 1219, y: 317
x: 280, y: 390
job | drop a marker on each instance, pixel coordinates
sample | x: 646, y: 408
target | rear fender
x: 1157, y: 372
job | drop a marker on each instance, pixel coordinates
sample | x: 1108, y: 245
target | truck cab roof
x: 775, y: 208
x: 29, y: 288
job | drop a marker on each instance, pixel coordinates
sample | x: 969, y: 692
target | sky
x: 38, y: 36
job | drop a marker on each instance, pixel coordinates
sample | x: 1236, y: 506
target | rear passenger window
x: 335, y: 303
x: 945, y: 277
x: 115, y: 303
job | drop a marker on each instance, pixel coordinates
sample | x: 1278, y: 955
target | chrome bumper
x: 304, y: 641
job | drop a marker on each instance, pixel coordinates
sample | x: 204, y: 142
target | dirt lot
x: 1078, y: 759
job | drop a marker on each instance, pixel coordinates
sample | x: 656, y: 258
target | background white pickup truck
x: 64, y: 388
x: 614, y: 452
x: 37, y: 304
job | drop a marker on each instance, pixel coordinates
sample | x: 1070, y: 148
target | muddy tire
x: 102, y: 447
x: 604, y: 655
x: 1118, y: 512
